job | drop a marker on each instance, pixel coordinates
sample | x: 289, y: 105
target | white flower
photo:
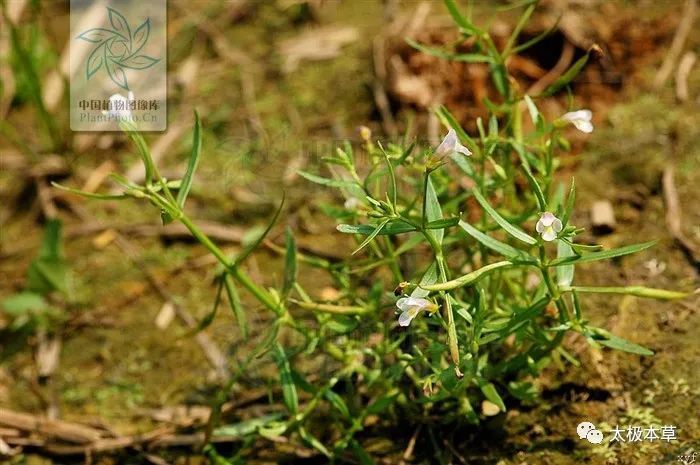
x: 352, y: 203
x: 411, y: 306
x: 119, y: 107
x: 581, y: 119
x: 450, y: 144
x: 548, y: 226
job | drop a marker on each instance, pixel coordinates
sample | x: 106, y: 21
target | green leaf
x: 565, y: 274
x: 254, y: 245
x: 618, y: 343
x: 429, y: 277
x: 568, y: 210
x: 23, y: 302
x: 392, y: 177
x: 506, y: 250
x: 313, y: 442
x: 602, y: 255
x: 247, y: 427
x: 186, y: 184
x: 327, y: 181
x: 490, y: 392
x: 234, y: 301
x: 433, y: 211
x: 209, y: 317
x: 380, y: 404
x: 391, y: 228
x: 460, y: 19
x: 539, y: 195
x: 290, y: 263
x: 567, y: 77
x: 442, y: 223
x: 371, y: 237
x: 499, y: 76
x: 338, y: 403
x: 529, y: 43
x: 532, y: 109
x: 637, y: 291
x: 502, y: 222
x: 289, y: 389
x: 518, y: 28
x: 360, y: 453
x: 48, y: 271
x: 445, y: 55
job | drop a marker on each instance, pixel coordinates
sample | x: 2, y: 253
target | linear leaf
x: 502, y: 222
x: 567, y: 77
x: 371, y: 237
x: 186, y: 184
x: 445, y: 55
x: 326, y: 181
x: 506, y: 250
x: 254, y: 245
x: 603, y: 255
x: 433, y: 211
x: 235, y: 302
x: 289, y: 389
x: 290, y: 262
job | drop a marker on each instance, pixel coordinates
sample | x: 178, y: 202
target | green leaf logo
x: 118, y: 49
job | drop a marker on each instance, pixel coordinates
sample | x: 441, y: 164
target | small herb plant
x: 461, y: 285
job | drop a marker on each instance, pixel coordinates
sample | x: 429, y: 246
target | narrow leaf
x: 603, y: 255
x: 254, y: 245
x: 371, y: 237
x: 186, y: 184
x: 290, y: 263
x: 289, y: 389
x: 326, y: 181
x: 234, y: 301
x: 502, y: 222
x: 506, y: 250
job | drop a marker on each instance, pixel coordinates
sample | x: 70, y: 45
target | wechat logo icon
x: 586, y: 430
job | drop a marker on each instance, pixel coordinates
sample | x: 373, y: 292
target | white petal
x: 539, y: 227
x: 584, y: 126
x: 402, y: 303
x: 556, y: 225
x: 547, y: 219
x: 549, y: 234
x: 580, y: 115
x: 447, y: 146
x: 462, y: 149
x: 406, y: 317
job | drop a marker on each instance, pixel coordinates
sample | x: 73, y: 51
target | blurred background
x: 279, y: 84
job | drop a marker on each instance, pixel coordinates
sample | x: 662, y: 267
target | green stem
x: 260, y: 294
